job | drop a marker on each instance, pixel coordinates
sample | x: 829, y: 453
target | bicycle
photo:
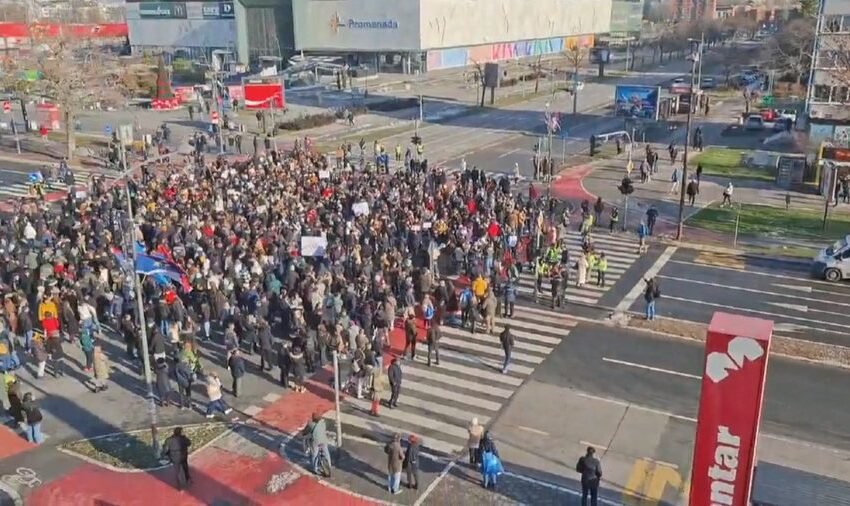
x: 324, y: 464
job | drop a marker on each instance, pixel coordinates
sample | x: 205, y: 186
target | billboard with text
x: 637, y: 101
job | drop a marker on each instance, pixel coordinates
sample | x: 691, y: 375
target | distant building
x: 828, y: 93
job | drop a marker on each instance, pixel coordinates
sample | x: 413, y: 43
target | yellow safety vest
x: 602, y: 265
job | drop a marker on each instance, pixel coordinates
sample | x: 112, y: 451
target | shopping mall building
x: 435, y: 34
x: 388, y: 35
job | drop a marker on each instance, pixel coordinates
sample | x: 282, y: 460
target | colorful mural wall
x: 461, y: 57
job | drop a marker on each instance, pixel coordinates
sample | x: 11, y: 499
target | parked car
x: 782, y: 124
x: 708, y: 83
x: 788, y: 114
x: 754, y: 122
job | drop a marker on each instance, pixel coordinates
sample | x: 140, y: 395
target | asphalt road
x: 802, y: 401
x: 696, y: 284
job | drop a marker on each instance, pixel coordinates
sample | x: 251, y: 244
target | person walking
x: 727, y: 195
x: 376, y: 387
x: 409, y: 335
x: 283, y: 362
x: 651, y: 218
x: 176, y: 450
x: 642, y: 233
x: 236, y: 364
x: 489, y: 310
x: 555, y: 288
x: 87, y: 345
x: 601, y: 269
x: 32, y: 418
x: 581, y: 265
x: 317, y: 439
x: 394, y: 373
x: 433, y: 336
x: 674, y: 181
x: 488, y: 458
x: 692, y: 190
x: 598, y: 209
x: 185, y: 376
x: 163, y: 382
x: 475, y: 431
x: 299, y: 368
x: 411, y: 462
x: 395, y: 458
x: 650, y: 294
x: 590, y: 470
x: 101, y: 370
x: 615, y: 218
x: 507, y: 340
x: 509, y: 295
x: 216, y: 403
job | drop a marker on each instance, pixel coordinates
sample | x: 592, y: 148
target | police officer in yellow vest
x: 601, y: 268
x: 420, y: 148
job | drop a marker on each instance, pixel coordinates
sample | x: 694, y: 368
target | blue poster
x: 636, y: 101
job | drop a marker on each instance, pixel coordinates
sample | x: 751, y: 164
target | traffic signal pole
x: 681, y: 221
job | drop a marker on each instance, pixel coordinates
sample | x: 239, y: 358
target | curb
x: 732, y: 251
x: 809, y: 347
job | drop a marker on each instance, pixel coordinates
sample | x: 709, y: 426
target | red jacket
x: 50, y: 325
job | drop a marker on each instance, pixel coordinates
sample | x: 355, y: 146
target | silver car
x: 833, y: 263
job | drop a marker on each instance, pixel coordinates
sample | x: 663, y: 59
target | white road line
x: 488, y: 374
x: 638, y: 289
x: 508, y: 153
x: 373, y: 425
x: 782, y: 276
x: 452, y: 381
x: 532, y: 430
x: 491, y: 350
x: 765, y: 313
x: 763, y: 292
x: 489, y: 339
x: 441, y: 393
x: 400, y: 416
x: 650, y: 368
x: 494, y: 364
x: 434, y: 484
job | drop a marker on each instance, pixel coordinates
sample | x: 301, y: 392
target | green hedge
x: 309, y: 121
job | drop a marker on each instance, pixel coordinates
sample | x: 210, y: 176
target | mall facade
x: 423, y: 35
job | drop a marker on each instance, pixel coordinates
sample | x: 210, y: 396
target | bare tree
x: 479, y: 75
x: 576, y: 56
x: 538, y: 70
x: 72, y: 73
x: 790, y: 50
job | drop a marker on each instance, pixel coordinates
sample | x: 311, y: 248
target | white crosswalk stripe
x: 437, y: 403
x: 81, y: 175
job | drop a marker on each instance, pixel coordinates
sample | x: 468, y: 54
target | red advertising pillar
x: 736, y: 353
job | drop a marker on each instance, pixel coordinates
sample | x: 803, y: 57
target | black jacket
x: 590, y: 469
x: 411, y: 455
x: 32, y: 413
x: 394, y: 373
x: 236, y: 365
x: 176, y: 448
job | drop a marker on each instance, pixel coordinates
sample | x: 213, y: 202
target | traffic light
x: 416, y: 140
x: 626, y: 187
x: 592, y: 145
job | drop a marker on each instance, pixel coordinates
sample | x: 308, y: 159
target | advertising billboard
x: 263, y: 94
x: 162, y: 10
x: 637, y: 101
x: 736, y: 354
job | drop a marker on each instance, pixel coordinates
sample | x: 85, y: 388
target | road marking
x: 785, y: 277
x: 638, y: 289
x: 793, y: 307
x: 569, y: 491
x: 434, y: 484
x: 799, y: 288
x: 753, y: 290
x: 626, y: 404
x: 649, y: 481
x: 508, y: 153
x: 651, y: 368
x: 598, y: 447
x: 766, y: 313
x: 532, y: 430
x: 721, y: 259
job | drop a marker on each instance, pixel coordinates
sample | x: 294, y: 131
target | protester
x: 101, y: 369
x: 32, y: 419
x: 176, y: 450
x: 395, y: 458
x: 411, y: 462
x: 590, y: 470
x: 475, y: 431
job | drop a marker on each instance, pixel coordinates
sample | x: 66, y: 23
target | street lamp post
x: 140, y: 315
x: 681, y: 221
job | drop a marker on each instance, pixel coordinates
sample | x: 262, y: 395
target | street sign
x: 7, y: 107
x: 125, y: 134
x: 214, y: 117
x: 767, y: 100
x: 107, y: 130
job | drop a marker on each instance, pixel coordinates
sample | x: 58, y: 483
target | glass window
x: 822, y: 92
x: 839, y: 94
x: 832, y: 23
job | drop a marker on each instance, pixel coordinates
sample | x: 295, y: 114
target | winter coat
x: 101, y: 366
x: 395, y: 457
x: 213, y: 388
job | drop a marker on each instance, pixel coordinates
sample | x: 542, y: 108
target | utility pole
x: 140, y: 316
x: 217, y: 108
x: 336, y: 401
x: 681, y: 221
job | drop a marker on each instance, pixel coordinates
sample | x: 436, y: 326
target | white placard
x: 426, y: 225
x: 80, y: 195
x: 324, y: 174
x: 360, y: 208
x: 313, y: 246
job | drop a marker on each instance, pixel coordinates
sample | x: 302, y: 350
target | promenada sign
x: 337, y: 23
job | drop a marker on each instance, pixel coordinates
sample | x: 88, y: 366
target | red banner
x: 263, y: 95
x: 99, y: 31
x: 736, y: 353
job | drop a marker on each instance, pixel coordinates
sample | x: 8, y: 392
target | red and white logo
x: 214, y: 117
x: 7, y: 107
x: 740, y: 349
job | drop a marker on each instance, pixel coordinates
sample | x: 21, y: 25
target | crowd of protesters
x: 291, y: 256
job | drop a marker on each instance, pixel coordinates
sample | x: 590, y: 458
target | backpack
x: 656, y: 291
x: 429, y: 312
x: 580, y: 465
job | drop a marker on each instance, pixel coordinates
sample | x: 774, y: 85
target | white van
x: 833, y: 263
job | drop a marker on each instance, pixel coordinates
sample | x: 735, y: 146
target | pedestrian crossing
x: 81, y: 175
x: 437, y: 403
x: 619, y: 249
